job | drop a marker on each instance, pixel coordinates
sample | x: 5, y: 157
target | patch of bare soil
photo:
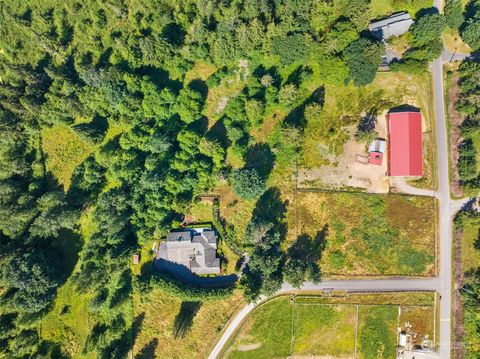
x: 456, y: 120
x: 248, y: 347
x: 351, y: 168
x: 458, y: 314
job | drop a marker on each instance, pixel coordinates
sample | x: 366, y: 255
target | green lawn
x: 267, y: 332
x: 377, y: 332
x: 324, y: 330
x: 382, y: 8
x: 64, y: 150
x: 201, y: 212
x: 325, y: 327
x: 367, y: 234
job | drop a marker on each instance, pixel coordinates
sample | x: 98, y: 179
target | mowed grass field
x: 367, y: 234
x: 326, y: 327
x: 324, y: 330
x: 267, y: 332
x: 377, y: 336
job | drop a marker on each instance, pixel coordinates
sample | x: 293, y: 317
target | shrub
x: 363, y: 58
x: 454, y: 14
x: 467, y: 163
x: 184, y: 291
x: 471, y: 32
x: 290, y: 48
x: 247, y: 183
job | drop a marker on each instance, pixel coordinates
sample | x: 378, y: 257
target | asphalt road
x: 445, y: 220
x: 363, y: 285
x: 447, y: 209
x: 442, y: 283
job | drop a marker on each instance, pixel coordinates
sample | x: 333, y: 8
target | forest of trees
x: 470, y: 291
x: 95, y: 65
x: 465, y: 20
x: 468, y: 105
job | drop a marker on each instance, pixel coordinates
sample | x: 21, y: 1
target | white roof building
x: 395, y: 25
x: 195, y: 249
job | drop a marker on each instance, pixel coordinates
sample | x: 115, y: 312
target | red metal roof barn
x: 404, y: 148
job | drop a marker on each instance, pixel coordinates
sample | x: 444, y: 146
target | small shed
x: 375, y: 158
x: 136, y: 259
x: 376, y: 149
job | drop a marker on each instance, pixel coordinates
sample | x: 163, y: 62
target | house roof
x: 192, y: 248
x: 395, y: 25
x: 405, y: 144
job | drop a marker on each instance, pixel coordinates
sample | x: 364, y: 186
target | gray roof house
x: 195, y: 249
x: 394, y: 25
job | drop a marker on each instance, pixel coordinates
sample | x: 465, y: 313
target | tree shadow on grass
x: 303, y: 258
x: 200, y: 86
x: 137, y: 326
x: 270, y: 208
x: 426, y: 11
x: 218, y: 132
x: 404, y: 108
x: 367, y: 123
x: 260, y: 157
x: 184, y: 319
x: 309, y: 249
x: 148, y: 351
x: 296, y: 117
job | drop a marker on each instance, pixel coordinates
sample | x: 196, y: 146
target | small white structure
x: 378, y: 145
x: 376, y: 149
x: 395, y: 25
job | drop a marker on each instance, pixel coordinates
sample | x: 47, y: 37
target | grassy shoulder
x: 357, y: 227
x: 454, y: 43
x: 318, y: 326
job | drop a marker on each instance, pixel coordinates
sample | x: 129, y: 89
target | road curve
x: 402, y: 186
x: 448, y: 209
x: 360, y: 286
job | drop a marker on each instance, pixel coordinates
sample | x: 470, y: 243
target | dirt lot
x: 347, y: 171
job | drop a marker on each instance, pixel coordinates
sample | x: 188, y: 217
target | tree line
x: 95, y: 66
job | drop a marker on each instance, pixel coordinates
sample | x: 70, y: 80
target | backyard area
x: 356, y: 325
x: 354, y: 228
